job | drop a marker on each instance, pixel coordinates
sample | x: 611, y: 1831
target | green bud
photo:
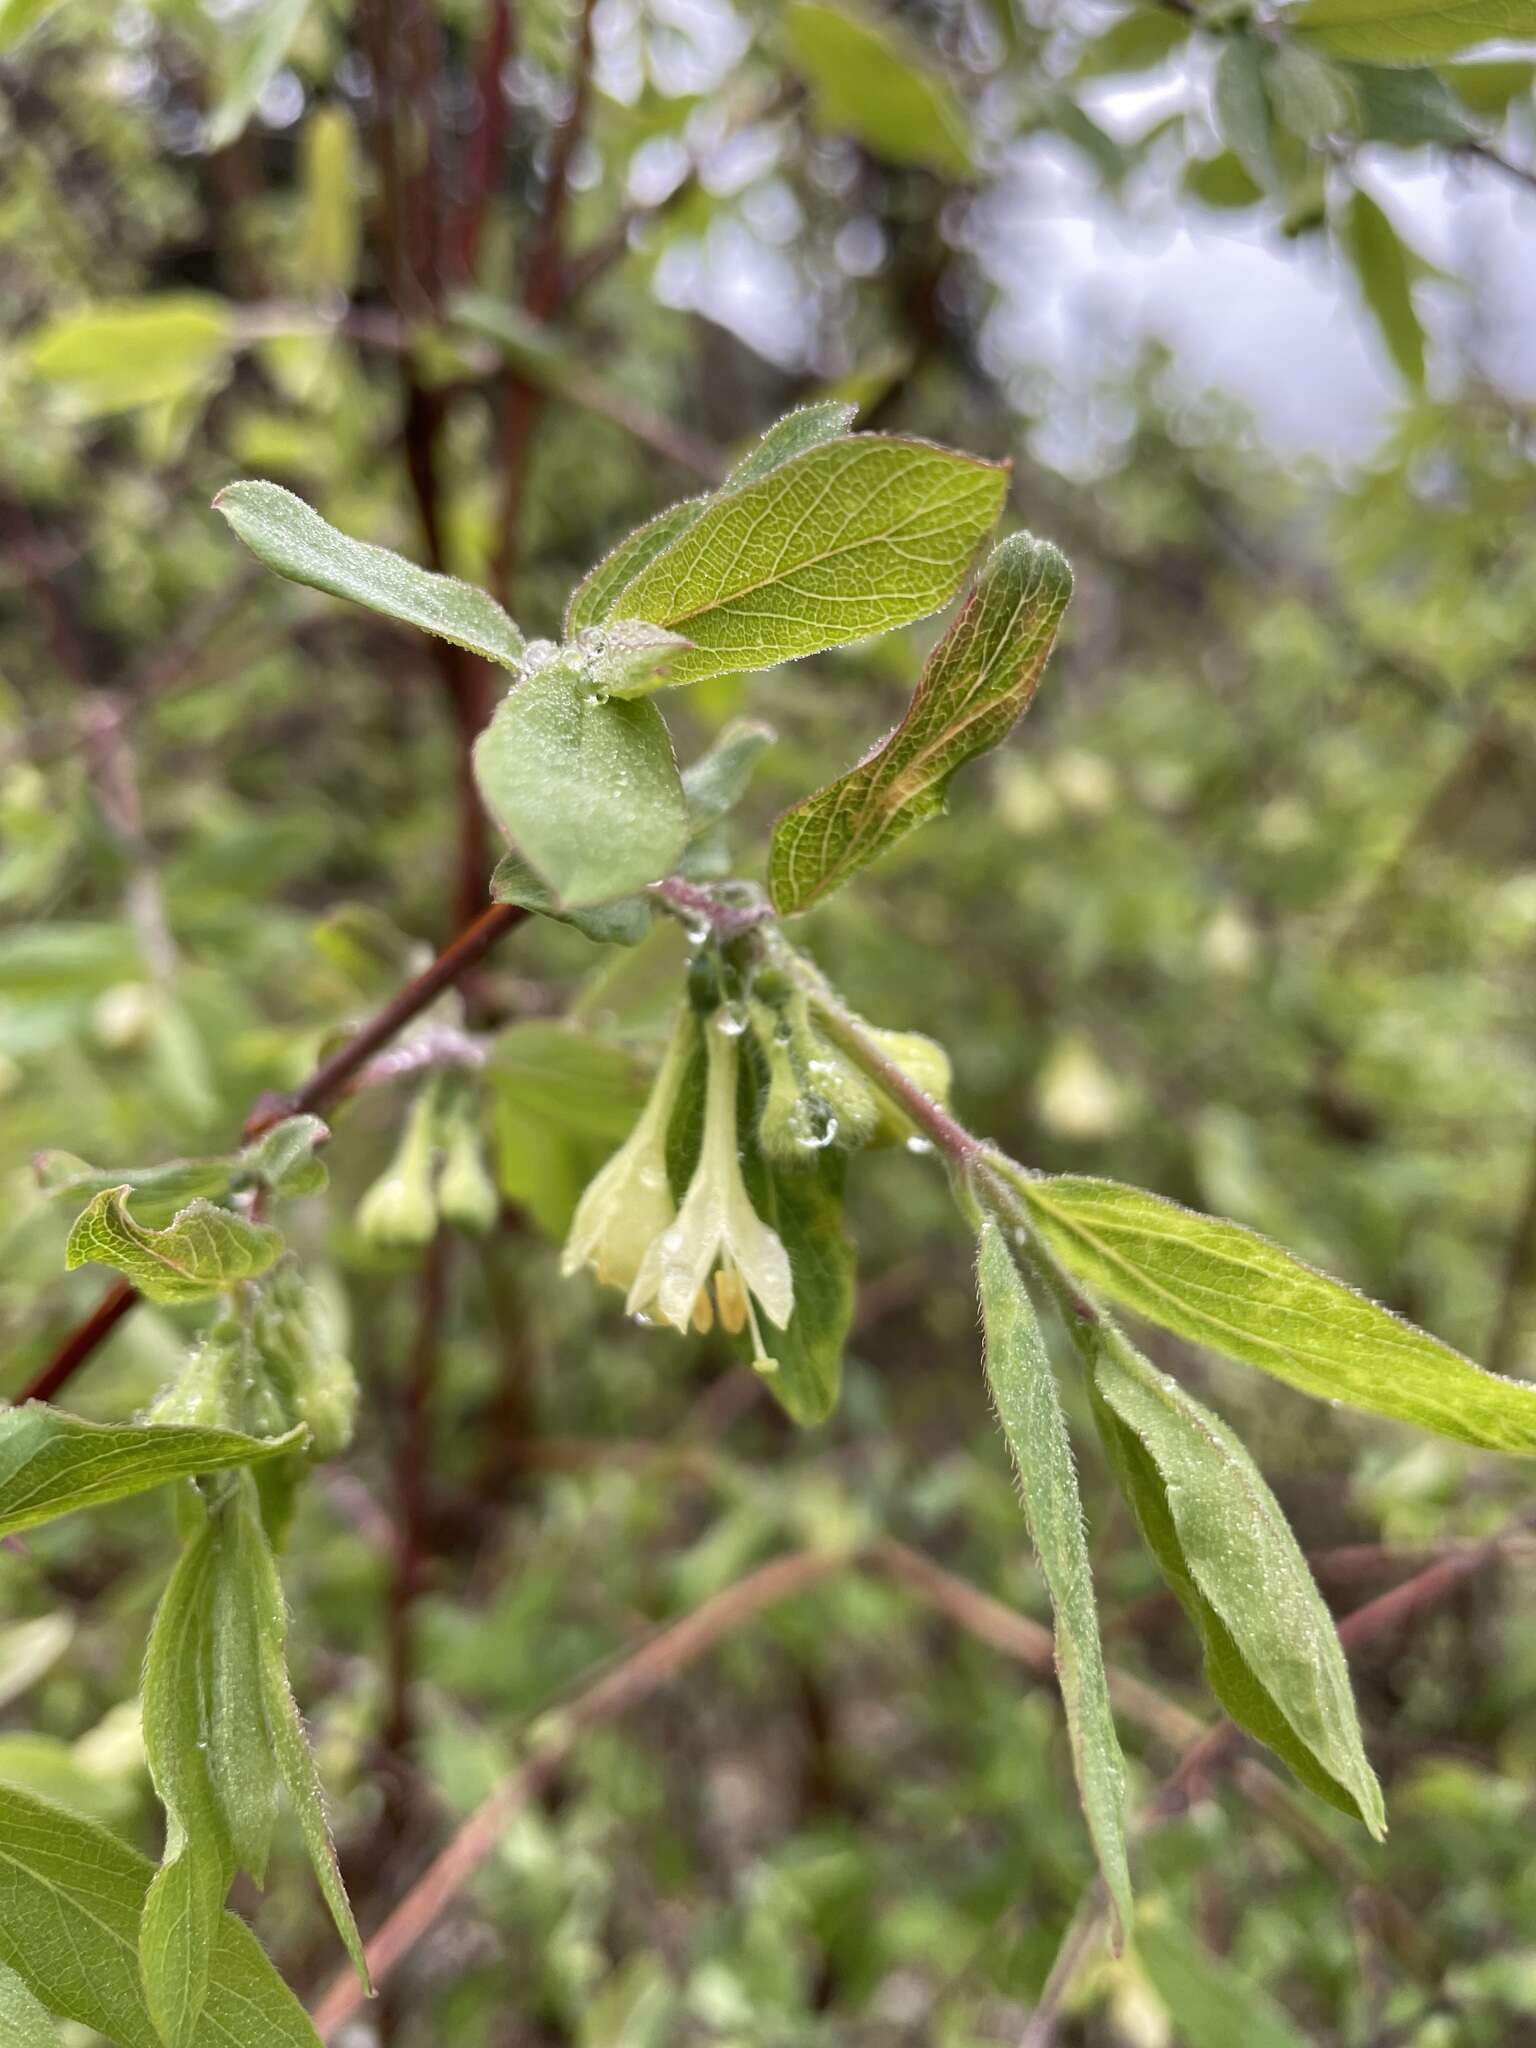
x: 304, y: 1372
x: 466, y: 1194
x: 399, y: 1212
x: 925, y: 1063
x: 328, y: 1403
x: 830, y: 1075
x: 209, y: 1391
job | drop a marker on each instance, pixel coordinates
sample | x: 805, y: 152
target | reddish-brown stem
x: 331, y: 1077
x: 329, y: 1080
x: 543, y: 293
x: 485, y: 144
x: 81, y: 1342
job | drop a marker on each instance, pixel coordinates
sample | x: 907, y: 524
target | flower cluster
x: 628, y: 1229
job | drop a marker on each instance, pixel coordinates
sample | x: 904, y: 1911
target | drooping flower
x: 628, y: 1205
x: 717, y: 1230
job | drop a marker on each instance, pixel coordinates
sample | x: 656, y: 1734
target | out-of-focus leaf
x: 71, y: 1898
x: 717, y: 781
x: 977, y: 684
x: 30, y: 1648
x: 286, y: 1157
x: 1221, y: 181
x: 1029, y: 1408
x: 1408, y: 106
x: 1210, y: 2004
x: 567, y: 1077
x: 586, y: 789
x: 1490, y: 88
x: 23, y: 2022
x: 1226, y: 1287
x: 1382, y: 266
x: 329, y: 178
x: 1244, y: 117
x: 870, y: 81
x: 135, y: 352
x: 52, y: 1463
x: 1309, y: 93
x: 855, y: 537
x: 258, y: 42
x: 1410, y: 31
x: 1136, y: 41
x: 17, y: 17
x: 157, y: 1191
x: 292, y: 538
x: 184, y: 1906
x: 201, y: 1251
x: 1218, y: 1533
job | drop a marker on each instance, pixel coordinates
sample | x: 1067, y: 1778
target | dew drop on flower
x: 731, y: 1019
x: 919, y: 1144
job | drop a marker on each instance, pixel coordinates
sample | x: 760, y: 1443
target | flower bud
x: 466, y: 1194
x: 399, y: 1212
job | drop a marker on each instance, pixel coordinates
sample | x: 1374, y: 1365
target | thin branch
x: 412, y: 1491
x: 488, y: 139
x: 623, y: 1685
x: 329, y: 1080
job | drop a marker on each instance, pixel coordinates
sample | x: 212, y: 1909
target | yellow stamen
x: 703, y: 1318
x: 731, y: 1300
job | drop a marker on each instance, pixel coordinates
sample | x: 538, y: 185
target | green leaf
x: 1410, y: 31
x: 1408, y: 106
x: 329, y: 177
x: 1381, y: 264
x: 240, y: 1759
x: 587, y: 791
x: 1226, y: 1287
x: 1309, y: 94
x: 851, y: 538
x: 1221, y: 181
x: 1024, y: 1390
x: 292, y: 538
x: 804, y: 1204
x: 593, y: 599
x: 201, y: 1251
x: 1145, y: 36
x: 568, y: 1077
x: 184, y: 1906
x: 19, y: 17
x: 255, y: 1585
x: 871, y: 81
x: 1244, y: 117
x: 1218, y: 1533
x: 119, y: 355
x: 624, y: 922
x: 53, y: 1464
x: 977, y: 684
x: 285, y: 1157
x: 157, y: 1191
x: 1489, y: 88
x: 257, y: 46
x: 1209, y: 2002
x: 71, y: 1898
x: 23, y: 2022
x: 716, y: 783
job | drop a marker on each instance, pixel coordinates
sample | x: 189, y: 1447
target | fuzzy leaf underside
x: 1222, y: 1542
x: 292, y: 538
x: 1024, y: 1391
x: 976, y: 685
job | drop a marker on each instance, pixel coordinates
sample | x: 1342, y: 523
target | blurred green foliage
x: 1245, y: 913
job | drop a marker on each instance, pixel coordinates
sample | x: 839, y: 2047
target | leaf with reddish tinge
x: 978, y: 683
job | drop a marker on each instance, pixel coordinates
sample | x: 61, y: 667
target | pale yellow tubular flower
x: 717, y: 1224
x: 628, y: 1204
